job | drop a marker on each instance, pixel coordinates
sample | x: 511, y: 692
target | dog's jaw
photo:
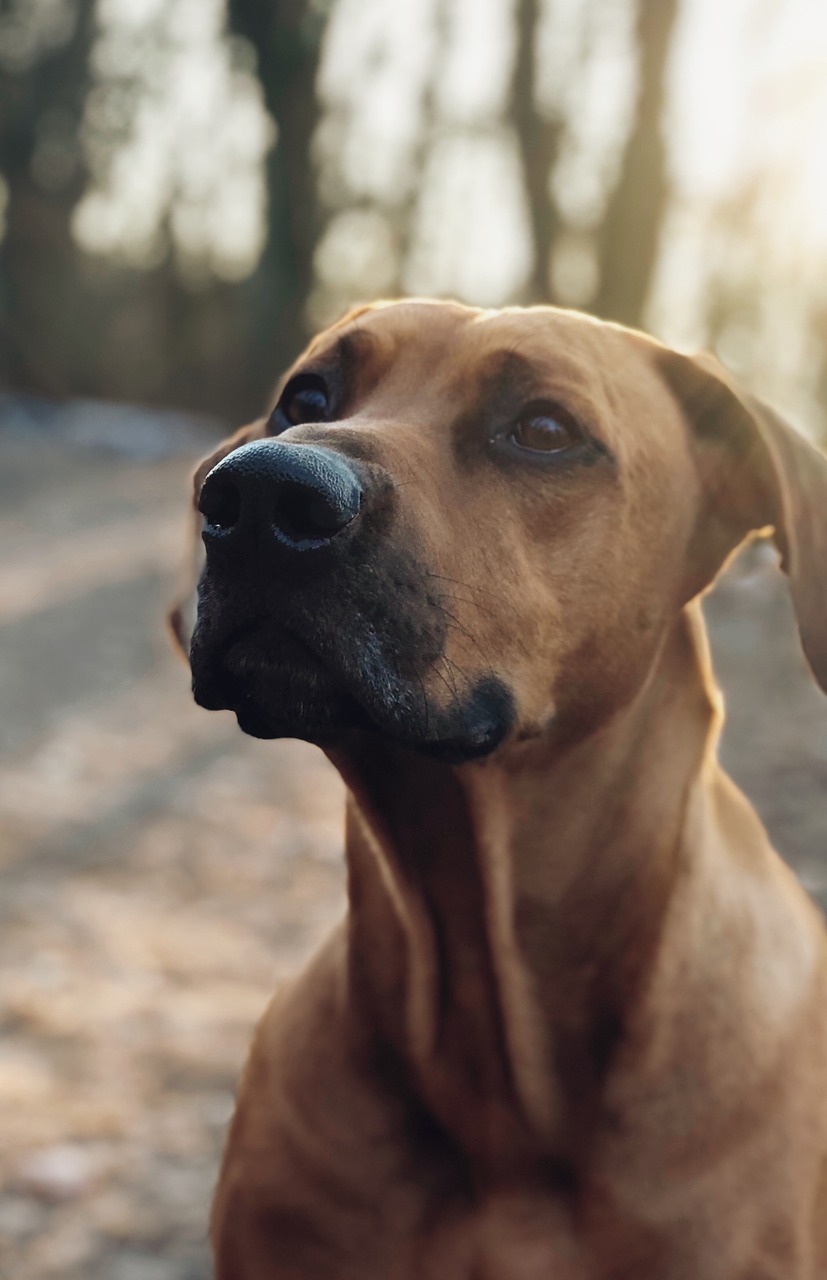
x: 280, y: 685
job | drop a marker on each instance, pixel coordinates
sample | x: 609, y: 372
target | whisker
x: 452, y: 666
x: 468, y: 586
x: 475, y: 604
x: 425, y: 706
x: 452, y: 691
x: 458, y: 625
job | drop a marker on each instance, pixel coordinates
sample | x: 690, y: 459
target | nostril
x: 303, y: 513
x: 220, y: 502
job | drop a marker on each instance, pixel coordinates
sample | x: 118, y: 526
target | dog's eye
x: 545, y: 429
x: 304, y: 399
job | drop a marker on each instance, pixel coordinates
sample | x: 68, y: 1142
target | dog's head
x: 461, y: 527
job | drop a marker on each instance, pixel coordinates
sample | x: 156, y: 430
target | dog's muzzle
x: 316, y: 616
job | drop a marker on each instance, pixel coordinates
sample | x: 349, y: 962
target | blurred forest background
x: 188, y: 187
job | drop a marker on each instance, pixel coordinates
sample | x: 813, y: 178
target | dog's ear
x: 756, y: 471
x: 181, y: 616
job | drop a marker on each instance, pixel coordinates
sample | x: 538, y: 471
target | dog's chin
x: 278, y: 687
x: 275, y: 685
x: 326, y: 728
x: 266, y: 709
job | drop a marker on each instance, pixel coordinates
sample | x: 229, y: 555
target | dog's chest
x: 529, y: 1236
x: 509, y: 1237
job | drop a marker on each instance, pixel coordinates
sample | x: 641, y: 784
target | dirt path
x: 161, y: 872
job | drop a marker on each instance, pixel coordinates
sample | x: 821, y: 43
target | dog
x: 574, y: 1024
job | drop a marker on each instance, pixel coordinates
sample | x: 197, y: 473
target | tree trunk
x: 538, y: 139
x: 40, y: 334
x: 628, y: 237
x: 287, y: 38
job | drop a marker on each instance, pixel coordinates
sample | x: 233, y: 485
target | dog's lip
x: 237, y: 654
x: 243, y: 655
x: 235, y: 646
x: 234, y: 672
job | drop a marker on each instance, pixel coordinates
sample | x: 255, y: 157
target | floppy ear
x: 756, y: 471
x: 181, y: 616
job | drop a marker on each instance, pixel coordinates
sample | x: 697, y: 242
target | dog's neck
x: 503, y: 914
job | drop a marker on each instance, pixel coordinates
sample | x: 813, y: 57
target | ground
x: 162, y: 873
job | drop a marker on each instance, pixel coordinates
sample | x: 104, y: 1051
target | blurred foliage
x: 192, y: 186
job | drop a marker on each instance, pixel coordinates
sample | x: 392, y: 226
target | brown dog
x: 574, y: 1026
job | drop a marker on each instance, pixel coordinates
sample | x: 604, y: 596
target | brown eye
x: 546, y: 429
x: 304, y: 399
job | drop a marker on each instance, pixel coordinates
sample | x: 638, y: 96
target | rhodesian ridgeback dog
x: 574, y: 1024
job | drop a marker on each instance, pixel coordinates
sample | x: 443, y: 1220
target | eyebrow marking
x: 515, y: 369
x: 512, y: 381
x: 351, y: 356
x: 338, y: 364
x: 513, y: 377
x: 352, y: 345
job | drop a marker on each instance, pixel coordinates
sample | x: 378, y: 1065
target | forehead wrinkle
x: 558, y: 351
x: 478, y: 353
x: 397, y: 324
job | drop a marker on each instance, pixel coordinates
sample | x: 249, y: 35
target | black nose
x: 299, y: 495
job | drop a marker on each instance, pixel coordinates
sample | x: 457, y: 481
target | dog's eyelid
x: 547, y: 407
x: 307, y: 380
x: 585, y: 444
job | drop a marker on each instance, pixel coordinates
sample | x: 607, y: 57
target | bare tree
x: 286, y: 37
x: 628, y: 237
x: 41, y: 104
x: 538, y: 137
